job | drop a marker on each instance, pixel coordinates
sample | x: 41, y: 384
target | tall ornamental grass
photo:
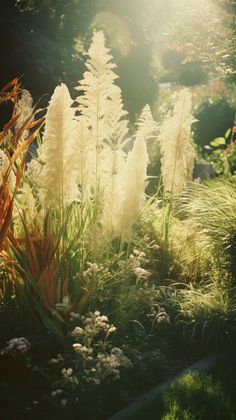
x: 85, y: 188
x: 83, y: 158
x: 212, y: 207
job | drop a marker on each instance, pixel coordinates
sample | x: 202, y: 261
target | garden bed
x: 107, y: 287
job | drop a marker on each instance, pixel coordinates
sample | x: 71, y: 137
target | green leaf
x: 219, y: 141
x: 228, y: 132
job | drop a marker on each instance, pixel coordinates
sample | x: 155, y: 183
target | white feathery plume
x: 97, y: 86
x: 86, y: 161
x: 149, y: 127
x: 116, y: 126
x: 112, y: 165
x: 134, y: 180
x: 124, y: 192
x: 112, y: 191
x: 24, y: 107
x: 101, y: 106
x: 6, y: 173
x: 147, y: 124
x: 57, y: 176
x: 34, y: 167
x: 176, y: 149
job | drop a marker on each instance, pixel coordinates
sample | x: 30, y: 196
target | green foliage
x: 203, y: 32
x: 47, y: 262
x: 212, y: 207
x: 215, y: 115
x: 207, y: 315
x: 186, y: 256
x: 223, y: 154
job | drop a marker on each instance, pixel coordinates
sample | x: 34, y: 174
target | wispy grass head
x: 177, y: 151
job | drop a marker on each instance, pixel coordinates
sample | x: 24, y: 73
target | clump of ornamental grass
x: 119, y: 179
x: 15, y: 140
x: 189, y: 254
x: 177, y: 155
x: 47, y: 263
x: 83, y: 158
x: 212, y: 207
x: 207, y: 315
x: 191, y: 251
x: 13, y: 150
x: 83, y: 183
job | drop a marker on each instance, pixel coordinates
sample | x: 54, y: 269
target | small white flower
x: 102, y: 318
x: 112, y: 329
x: 63, y: 401
x: 77, y: 347
x: 56, y: 392
x: 77, y: 332
x: 69, y: 372
x: 141, y: 273
x: 97, y: 381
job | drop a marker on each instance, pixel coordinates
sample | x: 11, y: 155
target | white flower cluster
x: 68, y: 376
x: 91, y: 270
x: 93, y: 324
x: 16, y: 346
x: 133, y: 264
x: 108, y: 365
x: 95, y: 272
x: 97, y: 359
x: 58, y: 393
